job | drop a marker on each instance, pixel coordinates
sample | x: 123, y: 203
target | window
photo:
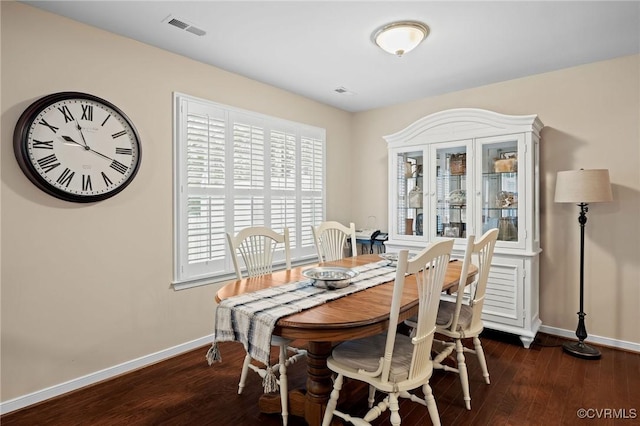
x: 234, y: 169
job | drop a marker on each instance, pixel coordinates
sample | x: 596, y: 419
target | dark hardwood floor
x: 539, y: 386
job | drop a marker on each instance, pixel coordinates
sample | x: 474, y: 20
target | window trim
x: 302, y: 131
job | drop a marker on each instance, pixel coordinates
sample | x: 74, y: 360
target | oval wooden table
x: 360, y: 314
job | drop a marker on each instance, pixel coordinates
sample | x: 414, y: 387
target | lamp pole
x: 579, y: 348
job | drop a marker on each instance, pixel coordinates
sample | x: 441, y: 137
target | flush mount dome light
x: 400, y: 37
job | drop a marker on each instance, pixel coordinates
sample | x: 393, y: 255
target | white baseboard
x: 98, y: 376
x: 599, y: 340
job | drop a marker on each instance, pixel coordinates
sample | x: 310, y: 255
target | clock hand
x: 81, y: 134
x: 69, y: 139
x: 100, y: 154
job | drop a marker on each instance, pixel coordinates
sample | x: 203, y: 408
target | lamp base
x: 581, y: 350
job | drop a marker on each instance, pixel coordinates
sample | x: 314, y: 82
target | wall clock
x: 77, y: 147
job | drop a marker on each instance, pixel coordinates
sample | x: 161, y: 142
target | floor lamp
x: 582, y: 187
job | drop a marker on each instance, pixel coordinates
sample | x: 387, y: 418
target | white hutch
x: 463, y: 171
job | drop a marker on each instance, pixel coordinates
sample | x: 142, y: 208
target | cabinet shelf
x: 492, y: 209
x: 498, y: 174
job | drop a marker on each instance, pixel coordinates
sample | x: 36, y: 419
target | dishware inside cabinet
x: 410, y: 190
x: 500, y: 189
x: 451, y: 192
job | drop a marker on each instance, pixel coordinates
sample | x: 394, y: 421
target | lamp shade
x: 399, y: 38
x: 583, y: 186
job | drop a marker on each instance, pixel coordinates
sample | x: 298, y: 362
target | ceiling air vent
x: 177, y: 23
x: 195, y: 30
x: 184, y: 25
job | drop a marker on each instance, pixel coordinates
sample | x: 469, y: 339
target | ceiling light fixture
x: 400, y: 37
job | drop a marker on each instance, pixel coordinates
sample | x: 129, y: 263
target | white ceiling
x: 313, y: 47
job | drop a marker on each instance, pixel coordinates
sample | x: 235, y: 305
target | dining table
x: 353, y: 316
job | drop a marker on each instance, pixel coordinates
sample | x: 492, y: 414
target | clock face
x: 77, y: 147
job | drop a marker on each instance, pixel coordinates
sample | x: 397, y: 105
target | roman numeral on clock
x: 86, y: 183
x: 48, y: 163
x: 67, y: 114
x: 124, y: 151
x: 65, y: 177
x: 106, y: 179
x: 42, y: 144
x: 87, y: 112
x: 117, y: 135
x: 118, y: 167
x: 44, y: 123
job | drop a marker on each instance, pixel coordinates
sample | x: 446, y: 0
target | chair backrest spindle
x: 257, y: 246
x: 331, y: 238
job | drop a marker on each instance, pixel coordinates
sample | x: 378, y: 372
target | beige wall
x: 86, y: 287
x: 592, y: 119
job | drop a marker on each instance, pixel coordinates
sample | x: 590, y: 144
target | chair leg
x: 462, y: 371
x: 372, y: 395
x: 284, y: 388
x: 394, y: 408
x: 431, y: 405
x: 481, y: 359
x: 333, y: 401
x: 243, y: 375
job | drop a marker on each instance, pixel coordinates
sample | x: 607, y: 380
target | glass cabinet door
x: 410, y: 193
x: 449, y: 190
x: 502, y: 182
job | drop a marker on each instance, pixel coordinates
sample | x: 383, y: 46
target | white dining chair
x: 462, y: 319
x: 331, y: 238
x: 390, y: 362
x: 257, y: 246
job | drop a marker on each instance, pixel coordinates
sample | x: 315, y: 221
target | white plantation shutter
x: 205, y: 229
x: 247, y: 211
x: 312, y: 213
x: 203, y: 179
x: 312, y: 164
x: 234, y: 169
x: 283, y: 214
x: 312, y: 168
x: 282, y: 173
x: 283, y: 161
x: 248, y: 154
x: 205, y: 150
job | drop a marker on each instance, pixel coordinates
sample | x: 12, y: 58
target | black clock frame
x: 20, y: 140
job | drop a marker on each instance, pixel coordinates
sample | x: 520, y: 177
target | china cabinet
x: 461, y: 172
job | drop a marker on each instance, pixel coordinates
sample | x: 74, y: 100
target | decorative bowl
x: 330, y: 277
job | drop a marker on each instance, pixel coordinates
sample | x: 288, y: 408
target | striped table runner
x: 251, y: 317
